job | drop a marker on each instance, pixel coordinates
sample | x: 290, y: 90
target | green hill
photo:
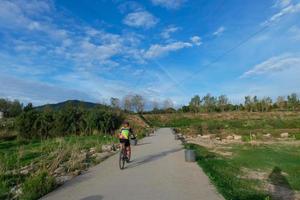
x: 75, y: 103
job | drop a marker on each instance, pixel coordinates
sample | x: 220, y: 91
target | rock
x: 268, y: 135
x: 82, y: 157
x: 198, y: 135
x: 206, y: 136
x: 76, y: 172
x: 92, y: 150
x: 59, y: 170
x: 237, y: 137
x: 62, y: 179
x: 229, y: 137
x: 218, y: 138
x: 106, y: 148
x: 284, y: 135
x: 26, y: 170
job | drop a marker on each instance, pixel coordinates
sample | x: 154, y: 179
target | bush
x: 37, y: 185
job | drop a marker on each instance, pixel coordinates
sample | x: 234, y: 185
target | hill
x: 75, y: 103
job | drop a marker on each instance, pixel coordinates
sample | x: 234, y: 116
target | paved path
x: 157, y: 172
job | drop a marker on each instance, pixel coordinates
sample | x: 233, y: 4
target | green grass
x: 226, y: 173
x: 267, y: 157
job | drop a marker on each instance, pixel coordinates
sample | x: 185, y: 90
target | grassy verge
x: 44, y: 156
x: 233, y: 176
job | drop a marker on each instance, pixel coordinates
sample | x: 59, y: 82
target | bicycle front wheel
x: 121, y: 160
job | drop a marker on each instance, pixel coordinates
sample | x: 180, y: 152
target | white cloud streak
x: 288, y: 9
x: 274, y: 64
x: 219, y: 31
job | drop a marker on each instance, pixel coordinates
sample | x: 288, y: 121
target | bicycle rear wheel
x: 122, y: 159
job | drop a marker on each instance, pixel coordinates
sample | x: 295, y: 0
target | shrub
x: 37, y: 185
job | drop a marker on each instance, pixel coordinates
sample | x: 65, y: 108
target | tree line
x: 210, y: 103
x: 69, y: 120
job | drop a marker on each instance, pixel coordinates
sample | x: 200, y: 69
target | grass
x: 229, y: 177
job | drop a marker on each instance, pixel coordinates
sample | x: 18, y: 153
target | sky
x: 55, y: 50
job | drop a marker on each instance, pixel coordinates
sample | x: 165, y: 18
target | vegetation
x: 276, y: 165
x: 10, y: 108
x: 69, y: 120
x: 241, y: 123
x: 38, y: 185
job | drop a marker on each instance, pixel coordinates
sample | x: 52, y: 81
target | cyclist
x: 124, y: 136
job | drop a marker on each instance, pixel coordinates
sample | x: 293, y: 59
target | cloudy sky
x: 54, y: 50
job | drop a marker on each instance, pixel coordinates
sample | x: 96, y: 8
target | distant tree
x: 292, y: 101
x: 248, y: 103
x: 128, y: 104
x: 138, y: 103
x: 281, y: 102
x: 222, y: 102
x: 115, y: 102
x: 209, y: 102
x: 168, y: 103
x: 195, y: 103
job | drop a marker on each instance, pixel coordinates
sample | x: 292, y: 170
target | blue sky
x: 54, y: 50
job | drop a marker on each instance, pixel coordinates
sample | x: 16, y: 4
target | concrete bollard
x: 190, y: 155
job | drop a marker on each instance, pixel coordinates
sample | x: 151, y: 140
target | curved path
x: 157, y: 172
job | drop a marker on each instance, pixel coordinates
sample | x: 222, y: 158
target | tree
x: 248, y: 103
x: 195, y: 103
x: 222, y: 102
x: 138, y: 103
x: 209, y: 102
x: 168, y: 103
x: 115, y: 102
x: 281, y: 103
x: 128, y: 104
x: 292, y: 101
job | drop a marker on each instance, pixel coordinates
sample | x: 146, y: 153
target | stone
x: 237, y: 137
x: 76, y: 172
x: 26, y: 170
x: 284, y: 135
x: 205, y: 136
x: 218, y: 138
x: 59, y: 170
x: 268, y: 135
x: 229, y: 137
x: 106, y: 148
x: 92, y: 150
x: 62, y: 179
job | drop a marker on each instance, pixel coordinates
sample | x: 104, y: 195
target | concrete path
x: 157, y: 172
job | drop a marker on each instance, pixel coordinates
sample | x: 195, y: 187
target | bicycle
x: 123, y: 157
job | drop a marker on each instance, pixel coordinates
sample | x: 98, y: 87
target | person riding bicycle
x: 124, y: 136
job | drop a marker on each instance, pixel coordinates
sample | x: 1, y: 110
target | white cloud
x: 166, y: 33
x: 140, y: 19
x: 274, y: 64
x: 290, y: 9
x: 219, y: 31
x: 170, y: 4
x: 282, y: 3
x: 196, y: 40
x: 157, y: 50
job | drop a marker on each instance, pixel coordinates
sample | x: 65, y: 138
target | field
x: 240, y: 123
x: 261, y: 164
